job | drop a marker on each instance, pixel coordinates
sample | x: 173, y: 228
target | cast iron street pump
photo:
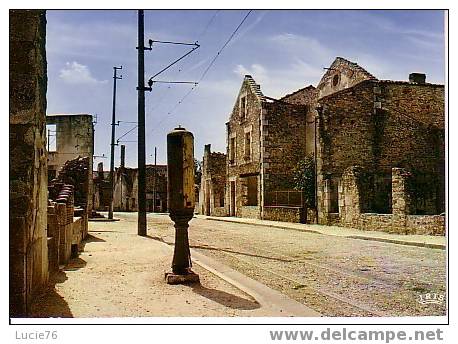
x: 180, y: 189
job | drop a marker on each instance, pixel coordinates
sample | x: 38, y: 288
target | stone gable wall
x: 237, y: 127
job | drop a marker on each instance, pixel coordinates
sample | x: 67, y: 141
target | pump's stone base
x: 188, y: 278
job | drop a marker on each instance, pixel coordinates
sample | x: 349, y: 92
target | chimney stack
x: 418, y: 78
x: 207, y: 149
x: 123, y: 156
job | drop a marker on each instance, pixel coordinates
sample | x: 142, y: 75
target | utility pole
x: 141, y: 229
x: 154, y: 180
x: 113, y: 124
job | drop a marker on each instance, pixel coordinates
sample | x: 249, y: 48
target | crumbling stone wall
x: 308, y: 97
x: 340, y: 75
x: 28, y: 171
x: 284, y: 139
x: 401, y: 220
x: 213, y: 183
x: 412, y: 136
x: 125, y: 197
x: 379, y: 125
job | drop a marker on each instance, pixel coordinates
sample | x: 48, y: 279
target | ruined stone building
x: 381, y: 151
x: 378, y: 147
x: 126, y: 188
x: 262, y: 150
x: 28, y: 247
x: 102, y: 187
x: 72, y: 136
x: 213, y: 183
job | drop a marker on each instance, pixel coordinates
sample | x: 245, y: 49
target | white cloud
x: 76, y: 73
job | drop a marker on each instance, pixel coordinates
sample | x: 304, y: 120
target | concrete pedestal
x: 190, y: 277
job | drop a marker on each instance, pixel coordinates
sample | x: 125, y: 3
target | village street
x: 121, y: 274
x: 332, y: 275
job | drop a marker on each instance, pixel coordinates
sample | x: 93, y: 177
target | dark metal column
x: 141, y: 127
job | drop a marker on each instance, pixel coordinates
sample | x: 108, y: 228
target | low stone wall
x: 375, y: 222
x: 64, y: 231
x: 284, y: 213
x: 251, y: 212
x: 410, y: 224
x: 427, y: 224
x: 219, y: 211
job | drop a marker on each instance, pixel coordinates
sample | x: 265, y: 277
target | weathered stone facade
x: 213, y: 183
x: 28, y: 252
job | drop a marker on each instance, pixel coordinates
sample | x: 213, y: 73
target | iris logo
x: 430, y: 298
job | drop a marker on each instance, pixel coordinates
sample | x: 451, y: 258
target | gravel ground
x: 120, y: 274
x: 335, y: 276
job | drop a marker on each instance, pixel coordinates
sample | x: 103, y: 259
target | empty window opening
x: 252, y: 191
x: 243, y: 108
x: 232, y: 150
x: 334, y: 195
x: 51, y: 137
x: 247, y: 146
x: 335, y: 80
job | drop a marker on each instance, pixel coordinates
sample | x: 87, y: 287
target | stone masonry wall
x: 28, y: 161
x: 308, y: 97
x: 284, y: 135
x: 400, y: 221
x: 412, y: 136
x: 345, y: 135
x: 285, y: 214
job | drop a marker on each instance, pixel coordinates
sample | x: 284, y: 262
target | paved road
x: 335, y: 276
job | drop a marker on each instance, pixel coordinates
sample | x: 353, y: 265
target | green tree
x: 304, y: 179
x: 197, y: 171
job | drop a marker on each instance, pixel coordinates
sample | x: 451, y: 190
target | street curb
x: 268, y: 298
x: 362, y: 237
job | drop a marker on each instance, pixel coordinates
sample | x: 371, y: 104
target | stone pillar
x: 327, y: 196
x: 350, y: 196
x: 401, y: 198
x: 54, y: 243
x: 65, y: 238
x: 28, y: 252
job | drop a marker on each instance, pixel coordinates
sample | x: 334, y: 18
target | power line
x: 204, y: 31
x: 127, y: 133
x: 205, y: 71
x: 224, y: 45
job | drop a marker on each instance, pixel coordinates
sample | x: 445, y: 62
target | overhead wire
x: 170, y: 112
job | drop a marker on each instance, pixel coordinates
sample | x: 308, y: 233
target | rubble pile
x: 74, y: 173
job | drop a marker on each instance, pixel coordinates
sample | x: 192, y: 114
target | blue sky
x: 283, y: 50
